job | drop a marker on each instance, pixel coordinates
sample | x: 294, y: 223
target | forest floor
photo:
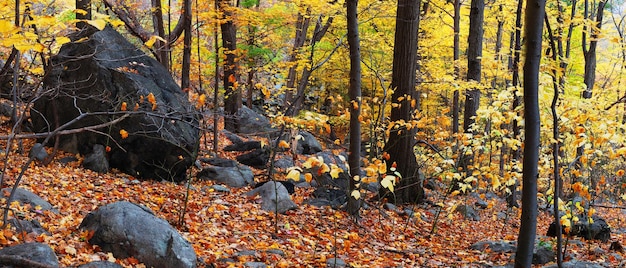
x: 219, y: 225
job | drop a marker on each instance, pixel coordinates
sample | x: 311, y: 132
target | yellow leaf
x: 356, y: 194
x: 334, y: 171
x: 79, y: 11
x: 311, y: 162
x: 6, y: 26
x: 388, y: 182
x: 62, y: 40
x: 99, y: 24
x: 308, y: 177
x: 324, y: 168
x: 152, y: 40
x: 37, y: 71
x: 495, y: 182
x: 293, y: 174
x: 123, y: 133
x: 266, y: 92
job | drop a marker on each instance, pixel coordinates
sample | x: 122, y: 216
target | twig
x: 59, y: 131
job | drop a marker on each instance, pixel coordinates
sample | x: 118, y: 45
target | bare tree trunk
x: 474, y: 62
x: 590, y: 53
x: 402, y: 140
x: 517, y: 102
x: 319, y: 32
x: 186, y: 68
x: 162, y: 48
x: 535, y: 11
x: 232, y: 95
x: 302, y: 26
x: 456, y: 55
x: 354, y: 157
x: 83, y: 5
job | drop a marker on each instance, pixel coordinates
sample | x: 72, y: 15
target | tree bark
x: 402, y: 139
x: 474, y: 62
x: 590, y: 54
x: 84, y: 5
x: 517, y: 101
x: 232, y: 95
x: 535, y: 11
x: 354, y: 156
x: 186, y: 68
x: 456, y: 54
x: 302, y: 26
x: 162, y: 48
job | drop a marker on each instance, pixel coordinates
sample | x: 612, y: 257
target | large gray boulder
x: 126, y: 229
x: 251, y: 122
x: 90, y: 81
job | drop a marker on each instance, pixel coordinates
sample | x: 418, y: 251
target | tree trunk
x: 517, y: 102
x: 456, y: 54
x: 302, y: 26
x: 590, y: 54
x: 186, y: 68
x: 319, y: 32
x: 474, y: 55
x: 354, y: 156
x: 84, y: 5
x: 535, y: 11
x: 402, y: 140
x: 162, y: 48
x: 232, y: 92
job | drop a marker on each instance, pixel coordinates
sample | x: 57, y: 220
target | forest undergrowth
x: 223, y: 225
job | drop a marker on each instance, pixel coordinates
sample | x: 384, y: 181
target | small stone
x: 220, y: 188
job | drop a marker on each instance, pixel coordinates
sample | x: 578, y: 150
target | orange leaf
x: 123, y: 133
x: 123, y: 107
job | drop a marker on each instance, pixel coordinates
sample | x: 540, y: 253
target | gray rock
x: 335, y: 262
x: 38, y: 152
x: 251, y: 122
x: 468, y: 212
x: 481, y: 204
x: 274, y: 197
x: 220, y: 162
x: 306, y: 143
x: 232, y: 137
x: 577, y: 264
x: 27, y: 197
x: 100, y: 264
x: 243, y: 146
x: 30, y: 227
x: 97, y: 75
x: 543, y: 255
x: 220, y: 188
x: 237, y: 177
x: 255, y: 264
x: 276, y: 251
x: 97, y: 159
x: 36, y: 252
x: 257, y: 158
x: 495, y: 246
x: 284, y: 162
x: 126, y: 229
